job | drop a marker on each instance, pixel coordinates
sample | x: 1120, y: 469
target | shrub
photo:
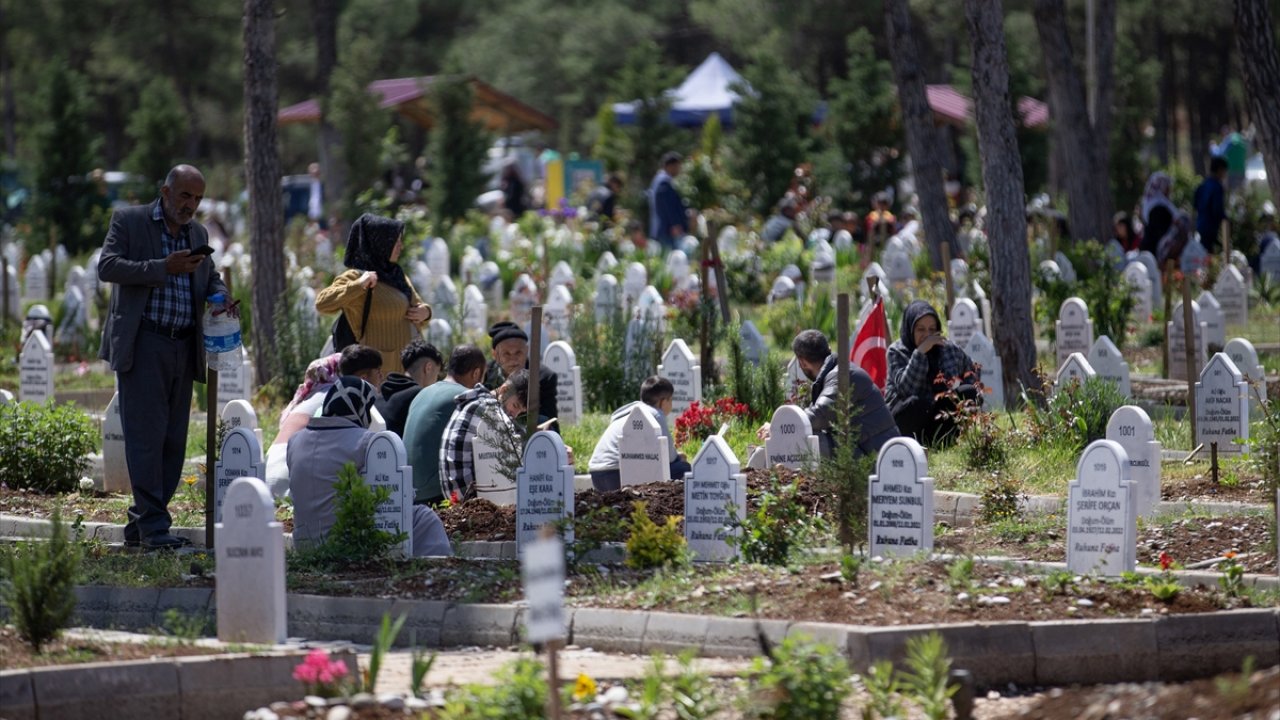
x: 928, y: 675
x: 1099, y: 283
x: 652, y: 545
x: 761, y: 388
x: 519, y: 694
x: 999, y: 499
x: 40, y: 593
x: 44, y: 447
x: 1077, y: 414
x: 355, y: 537
x: 803, y: 680
x: 775, y: 527
x: 846, y: 475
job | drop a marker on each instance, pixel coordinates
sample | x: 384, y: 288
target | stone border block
x: 673, y: 632
x: 189, y: 601
x: 216, y: 688
x: 1095, y: 651
x: 118, y: 608
x: 995, y: 653
x: 833, y: 634
x: 423, y: 624
x: 17, y: 696
x: 128, y: 689
x: 740, y: 637
x: 609, y: 630
x: 1193, y: 646
x: 320, y: 617
x: 493, y: 625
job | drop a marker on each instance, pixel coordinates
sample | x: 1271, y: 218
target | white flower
x: 86, y: 484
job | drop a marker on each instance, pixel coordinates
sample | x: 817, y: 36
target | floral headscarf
x: 319, y: 377
x: 1156, y: 194
x: 369, y: 246
x: 351, y: 398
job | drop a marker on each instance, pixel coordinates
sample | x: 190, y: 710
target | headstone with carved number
x: 1074, y: 370
x: 560, y: 359
x: 249, y: 551
x: 680, y: 366
x: 791, y: 441
x: 1232, y: 293
x: 900, y: 499
x: 544, y: 488
x: 1222, y: 406
x: 240, y: 414
x: 983, y: 353
x: 644, y: 453
x: 964, y: 322
x: 1131, y: 427
x: 239, y: 457
x: 1135, y: 274
x: 386, y: 465
x: 715, y: 501
x: 35, y: 369
x: 1214, y: 322
x: 1073, y: 328
x: 1178, y: 343
x: 1245, y: 356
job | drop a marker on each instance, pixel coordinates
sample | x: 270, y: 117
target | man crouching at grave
x: 511, y: 353
x: 341, y: 435
x: 928, y: 375
x: 867, y: 410
x: 656, y: 396
x: 476, y: 415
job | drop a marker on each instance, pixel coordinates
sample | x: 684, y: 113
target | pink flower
x: 305, y: 673
x: 338, y: 669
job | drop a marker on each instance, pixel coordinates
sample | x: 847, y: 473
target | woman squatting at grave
x: 928, y: 377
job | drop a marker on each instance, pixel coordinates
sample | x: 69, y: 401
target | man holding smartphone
x: 151, y: 339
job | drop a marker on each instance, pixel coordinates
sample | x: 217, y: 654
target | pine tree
x: 458, y: 150
x: 157, y: 128
x: 863, y: 121
x: 772, y: 120
x: 65, y: 152
x: 358, y: 120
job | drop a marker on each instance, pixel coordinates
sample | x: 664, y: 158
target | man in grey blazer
x: 152, y: 340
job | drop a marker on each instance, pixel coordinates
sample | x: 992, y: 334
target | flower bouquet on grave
x: 321, y: 675
x: 700, y: 421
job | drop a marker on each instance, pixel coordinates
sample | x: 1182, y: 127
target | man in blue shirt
x: 1211, y: 205
x: 668, y: 217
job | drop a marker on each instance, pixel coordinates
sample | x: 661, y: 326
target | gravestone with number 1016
x: 791, y: 441
x: 1222, y: 406
x: 560, y: 359
x: 35, y: 369
x: 1074, y: 329
x: 386, y: 465
x: 1101, y: 517
x: 544, y: 489
x: 715, y: 496
x: 1131, y: 427
x: 240, y: 456
x: 249, y: 551
x: 681, y: 367
x: 900, y: 497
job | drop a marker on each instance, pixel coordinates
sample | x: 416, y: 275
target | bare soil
x: 15, y: 653
x: 1202, y: 488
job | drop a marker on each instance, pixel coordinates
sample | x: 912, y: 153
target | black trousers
x: 923, y: 417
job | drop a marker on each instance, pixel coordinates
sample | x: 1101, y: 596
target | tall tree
x: 65, y: 152
x: 156, y: 128
x: 1012, y: 322
x: 863, y: 121
x: 646, y: 78
x: 360, y: 123
x: 324, y: 15
x: 1084, y: 142
x: 1256, y: 35
x: 771, y: 137
x: 262, y: 168
x: 459, y: 146
x: 922, y: 136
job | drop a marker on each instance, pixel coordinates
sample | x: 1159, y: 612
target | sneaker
x: 164, y: 541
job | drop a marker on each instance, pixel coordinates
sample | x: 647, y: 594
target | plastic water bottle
x: 221, y: 335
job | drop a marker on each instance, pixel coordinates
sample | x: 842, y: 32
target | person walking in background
x: 376, y: 280
x: 1211, y: 205
x: 151, y: 341
x: 603, y: 200
x: 668, y: 216
x: 513, y: 191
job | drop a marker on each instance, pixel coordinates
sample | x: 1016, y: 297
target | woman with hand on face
x: 396, y: 312
x: 923, y: 367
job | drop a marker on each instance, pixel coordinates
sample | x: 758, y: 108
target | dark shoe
x: 131, y: 536
x: 164, y: 541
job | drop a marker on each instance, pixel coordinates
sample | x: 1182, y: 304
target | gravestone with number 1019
x: 900, y: 497
x: 1101, y: 517
x: 715, y: 496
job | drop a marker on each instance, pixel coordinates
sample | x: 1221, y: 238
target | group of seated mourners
x: 345, y: 398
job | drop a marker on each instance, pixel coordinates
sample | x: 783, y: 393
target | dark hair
x: 811, y: 345
x: 358, y: 358
x: 671, y: 157
x: 1217, y: 164
x: 614, y: 179
x: 517, y: 385
x: 465, y: 359
x: 417, y: 351
x: 655, y: 389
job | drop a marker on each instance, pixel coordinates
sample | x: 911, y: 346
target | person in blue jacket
x: 668, y: 216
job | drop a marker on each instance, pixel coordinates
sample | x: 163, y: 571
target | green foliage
x: 712, y: 135
x: 156, y: 128
x: 1000, y: 498
x: 883, y: 690
x: 354, y: 537
x: 421, y: 664
x: 804, y: 680
x: 1096, y: 284
x: 771, y: 134
x: 776, y: 527
x: 960, y: 573
x: 928, y: 674
x: 1077, y: 414
x: 40, y: 592
x: 783, y: 318
x: 1235, y: 691
x: 355, y: 114
x: 387, y: 632
x: 44, y: 447
x: 651, y: 545
x: 692, y: 693
x: 850, y: 567
x: 1232, y: 578
x: 846, y: 474
x: 188, y: 627
x: 1163, y: 587
x: 863, y: 125
x: 611, y: 375
x: 299, y: 337
x: 458, y: 150
x: 982, y: 444
x: 520, y: 693
x: 761, y: 388
x: 611, y: 145
x: 645, y: 78
x: 65, y: 152
x: 1058, y: 582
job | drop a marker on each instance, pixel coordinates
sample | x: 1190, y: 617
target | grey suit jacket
x: 133, y: 259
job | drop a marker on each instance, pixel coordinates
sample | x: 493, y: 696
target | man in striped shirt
x: 478, y: 415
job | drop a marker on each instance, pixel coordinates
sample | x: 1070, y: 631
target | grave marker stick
x: 1225, y: 233
x: 842, y: 342
x: 1188, y: 332
x: 1168, y: 308
x: 1213, y: 461
x: 535, y: 368
x: 4, y: 290
x: 947, y: 280
x: 210, y: 450
x: 722, y: 286
x: 707, y: 351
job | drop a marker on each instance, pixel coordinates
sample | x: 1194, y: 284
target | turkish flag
x: 871, y: 345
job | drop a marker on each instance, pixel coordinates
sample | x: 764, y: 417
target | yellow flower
x: 190, y: 479
x: 584, y: 688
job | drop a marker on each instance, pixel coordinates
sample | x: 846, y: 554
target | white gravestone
x: 524, y: 295
x: 556, y: 312
x: 960, y: 276
x: 75, y: 317
x: 1050, y: 269
x: 1222, y: 406
x: 36, y: 280
x: 964, y: 322
x: 715, y: 498
x: 562, y: 275
x: 644, y: 455
x: 1075, y: 369
x: 784, y: 288
x: 1195, y: 258
x: 438, y: 259
x: 491, y: 483
x: 1101, y: 517
x: 1074, y: 329
x: 898, y: 266
x: 439, y: 332
x: 1269, y: 263
x: 115, y: 467
x: 1131, y: 427
x: 822, y: 268
x: 1243, y: 354
x: 542, y: 573
x: 560, y: 359
x: 240, y: 414
x: 444, y: 298
x: 1109, y: 364
x: 795, y: 379
x: 236, y: 384
x: 1153, y: 275
x: 1064, y: 265
x: 681, y: 367
x: 1214, y: 323
x: 15, y: 296
x: 606, y: 302
x: 35, y: 370
x: 1140, y: 288
x: 651, y: 308
x: 249, y: 548
x: 983, y: 352
x: 240, y: 457
x: 6, y: 397
x: 491, y: 283
x: 606, y: 262
x: 882, y: 286
x: 1232, y: 293
x: 545, y: 482
x: 678, y: 269
x: 900, y: 499
x: 1178, y: 342
x: 754, y: 347
x: 386, y: 465
x: 475, y: 311
x: 633, y: 283
x: 469, y: 266
x: 791, y: 441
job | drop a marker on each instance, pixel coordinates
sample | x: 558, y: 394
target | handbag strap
x: 364, y: 315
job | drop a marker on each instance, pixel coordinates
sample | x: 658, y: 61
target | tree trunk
x: 1256, y: 36
x: 262, y: 170
x: 1012, y: 324
x: 10, y: 116
x: 333, y: 171
x: 922, y: 137
x: 1084, y: 142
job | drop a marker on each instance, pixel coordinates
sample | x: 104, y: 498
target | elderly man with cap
x: 511, y: 353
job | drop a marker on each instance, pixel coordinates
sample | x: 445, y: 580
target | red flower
x: 1166, y: 561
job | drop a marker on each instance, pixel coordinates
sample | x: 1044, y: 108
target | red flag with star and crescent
x: 871, y: 345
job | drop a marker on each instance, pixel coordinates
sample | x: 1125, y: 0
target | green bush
x: 354, y: 537
x: 651, y: 545
x: 1077, y: 414
x: 299, y: 338
x: 775, y: 527
x: 40, y: 592
x: 1099, y: 283
x: 761, y: 388
x: 44, y: 447
x: 803, y: 680
x: 519, y: 694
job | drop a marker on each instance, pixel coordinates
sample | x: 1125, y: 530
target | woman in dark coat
x: 927, y: 375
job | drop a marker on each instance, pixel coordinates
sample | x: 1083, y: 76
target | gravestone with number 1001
x: 1131, y: 427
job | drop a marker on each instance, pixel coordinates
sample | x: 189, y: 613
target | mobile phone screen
x: 203, y: 250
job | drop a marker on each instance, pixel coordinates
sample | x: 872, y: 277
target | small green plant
x: 1235, y: 690
x: 691, y: 691
x: 520, y: 693
x: 846, y: 473
x: 928, y: 675
x: 1001, y: 498
x: 387, y: 633
x: 355, y: 537
x: 40, y: 593
x: 1058, y: 582
x: 44, y: 447
x: 960, y: 573
x: 1162, y: 588
x: 1232, y: 579
x: 651, y: 545
x: 982, y: 445
x: 883, y: 692
x: 850, y: 567
x: 421, y: 664
x: 775, y: 527
x: 803, y: 680
x: 186, y: 627
x: 651, y: 693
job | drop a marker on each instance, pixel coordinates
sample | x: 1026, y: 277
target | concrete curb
x: 198, y: 687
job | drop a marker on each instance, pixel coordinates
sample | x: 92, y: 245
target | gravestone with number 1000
x: 1101, y: 517
x: 791, y: 441
x: 900, y: 497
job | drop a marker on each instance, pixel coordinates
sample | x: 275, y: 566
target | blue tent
x: 704, y: 92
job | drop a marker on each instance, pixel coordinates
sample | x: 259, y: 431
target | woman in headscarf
x: 319, y: 377
x: 316, y: 455
x: 396, y: 312
x: 1158, y: 211
x: 927, y: 375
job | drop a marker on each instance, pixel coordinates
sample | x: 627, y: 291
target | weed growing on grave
x: 960, y: 573
x: 982, y: 445
x: 40, y: 592
x: 883, y: 691
x: 1235, y: 690
x: 776, y: 527
x: 1058, y: 582
x: 186, y: 628
x: 928, y: 675
x: 354, y: 537
x: 1000, y: 499
x: 44, y: 447
x: 1232, y: 579
x: 648, y: 697
x: 803, y: 680
x: 519, y: 694
x: 850, y: 567
x: 691, y: 691
x: 420, y: 665
x: 1163, y: 587
x: 651, y: 545
x: 847, y: 475
x: 1076, y: 415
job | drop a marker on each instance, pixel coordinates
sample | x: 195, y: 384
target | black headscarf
x: 916, y: 310
x: 369, y: 246
x: 350, y: 398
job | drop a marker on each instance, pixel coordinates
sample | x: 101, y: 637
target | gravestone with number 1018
x: 386, y: 465
x: 900, y: 497
x: 1101, y: 516
x: 715, y: 496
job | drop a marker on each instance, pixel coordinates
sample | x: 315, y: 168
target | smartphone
x: 203, y: 250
